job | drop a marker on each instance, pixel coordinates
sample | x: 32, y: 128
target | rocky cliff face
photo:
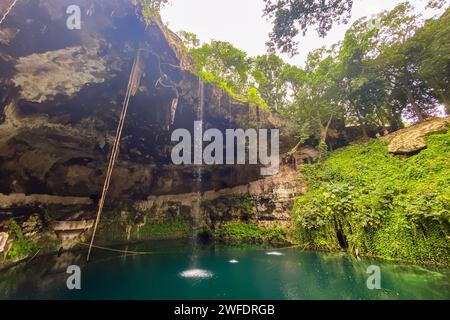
x: 61, y: 92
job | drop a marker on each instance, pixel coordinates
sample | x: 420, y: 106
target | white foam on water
x: 196, y: 273
x: 274, y: 253
x: 233, y: 261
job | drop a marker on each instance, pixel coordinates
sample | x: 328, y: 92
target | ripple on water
x: 196, y: 273
x: 233, y: 261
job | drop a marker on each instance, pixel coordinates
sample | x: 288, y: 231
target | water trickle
x: 198, y: 176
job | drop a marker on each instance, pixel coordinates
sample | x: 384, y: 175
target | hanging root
x: 117, y: 250
x: 133, y: 83
x: 8, y: 11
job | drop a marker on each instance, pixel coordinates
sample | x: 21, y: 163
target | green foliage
x: 114, y: 229
x: 221, y: 62
x: 230, y: 207
x: 384, y: 205
x: 262, y: 81
x: 241, y: 232
x: 253, y: 97
x: 317, y: 102
x: 190, y: 40
x: 398, y: 56
x: 432, y: 45
x: 292, y: 16
x: 150, y: 9
x: 162, y: 230
x: 387, y: 68
x: 269, y: 74
x: 21, y: 247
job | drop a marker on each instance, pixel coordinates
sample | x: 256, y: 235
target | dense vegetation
x: 388, y: 68
x: 163, y: 230
x: 241, y: 232
x: 145, y: 227
x: 21, y: 247
x: 292, y: 17
x: 393, y: 207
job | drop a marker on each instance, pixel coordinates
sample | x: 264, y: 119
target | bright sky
x: 241, y: 23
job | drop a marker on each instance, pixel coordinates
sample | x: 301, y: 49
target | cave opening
x: 342, y: 239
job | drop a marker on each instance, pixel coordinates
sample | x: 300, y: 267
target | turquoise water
x: 171, y: 271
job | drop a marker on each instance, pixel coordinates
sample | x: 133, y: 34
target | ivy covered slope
x: 390, y: 206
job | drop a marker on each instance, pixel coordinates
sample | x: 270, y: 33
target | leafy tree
x: 294, y: 78
x: 363, y: 89
x: 151, y: 8
x: 399, y: 60
x: 431, y: 45
x: 379, y: 66
x: 289, y: 17
x: 220, y: 62
x: 385, y: 69
x: 190, y: 40
x: 268, y: 71
x: 436, y: 4
x: 317, y: 103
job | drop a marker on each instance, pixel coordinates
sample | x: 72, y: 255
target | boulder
x: 413, y: 139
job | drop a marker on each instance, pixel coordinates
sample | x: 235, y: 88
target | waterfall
x: 194, y: 271
x: 198, y: 176
x: 199, y: 168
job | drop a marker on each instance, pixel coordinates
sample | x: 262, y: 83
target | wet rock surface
x: 264, y: 201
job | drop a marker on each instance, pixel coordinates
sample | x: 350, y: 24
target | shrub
x: 161, y: 230
x: 21, y: 247
x: 242, y: 232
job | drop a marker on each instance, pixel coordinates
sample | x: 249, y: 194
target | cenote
x: 359, y: 144
x: 176, y: 270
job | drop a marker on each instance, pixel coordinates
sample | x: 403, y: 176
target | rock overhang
x: 61, y: 98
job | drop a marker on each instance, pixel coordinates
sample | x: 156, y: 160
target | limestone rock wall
x: 61, y: 94
x: 262, y: 201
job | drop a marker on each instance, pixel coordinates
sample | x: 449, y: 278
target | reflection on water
x: 225, y: 273
x: 196, y: 273
x: 274, y: 253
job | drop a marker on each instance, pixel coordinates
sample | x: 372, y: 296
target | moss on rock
x: 242, y: 232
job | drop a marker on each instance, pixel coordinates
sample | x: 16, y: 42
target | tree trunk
x: 414, y: 105
x: 362, y: 123
x: 395, y: 120
x: 324, y: 134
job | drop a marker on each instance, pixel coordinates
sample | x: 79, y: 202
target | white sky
x: 240, y: 22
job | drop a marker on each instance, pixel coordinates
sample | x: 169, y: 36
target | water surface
x: 220, y: 272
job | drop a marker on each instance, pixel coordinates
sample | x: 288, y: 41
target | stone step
x: 72, y: 225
